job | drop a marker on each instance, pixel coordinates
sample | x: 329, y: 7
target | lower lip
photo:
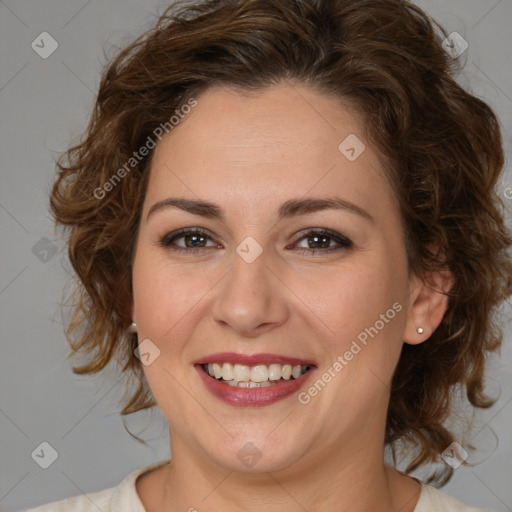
x: 252, y: 397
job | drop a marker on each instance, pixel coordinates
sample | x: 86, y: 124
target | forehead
x: 276, y: 143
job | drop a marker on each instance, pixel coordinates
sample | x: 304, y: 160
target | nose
x: 251, y: 299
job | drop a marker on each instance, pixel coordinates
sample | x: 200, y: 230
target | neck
x: 352, y: 480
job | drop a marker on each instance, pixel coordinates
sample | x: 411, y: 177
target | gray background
x: 44, y: 106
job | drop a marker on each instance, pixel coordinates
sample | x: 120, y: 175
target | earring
x: 132, y: 328
x: 420, y: 330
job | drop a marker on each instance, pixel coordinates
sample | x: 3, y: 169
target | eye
x: 319, y: 240
x: 195, y: 240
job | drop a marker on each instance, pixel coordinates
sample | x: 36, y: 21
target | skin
x: 249, y: 153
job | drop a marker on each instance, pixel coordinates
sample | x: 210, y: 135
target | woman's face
x: 276, y: 276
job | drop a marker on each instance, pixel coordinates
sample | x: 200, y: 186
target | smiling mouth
x: 258, y: 376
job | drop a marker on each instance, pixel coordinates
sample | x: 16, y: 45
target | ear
x: 427, y: 305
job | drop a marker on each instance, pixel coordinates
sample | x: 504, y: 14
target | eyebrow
x: 290, y: 208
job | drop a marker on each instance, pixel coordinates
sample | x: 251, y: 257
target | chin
x: 253, y: 454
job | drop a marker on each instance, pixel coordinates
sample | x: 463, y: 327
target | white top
x: 124, y: 498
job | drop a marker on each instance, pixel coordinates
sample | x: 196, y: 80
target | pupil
x: 323, y: 239
x: 196, y: 238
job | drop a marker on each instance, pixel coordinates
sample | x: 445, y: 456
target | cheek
x: 164, y: 295
x: 355, y: 297
x: 365, y: 311
x: 163, y: 302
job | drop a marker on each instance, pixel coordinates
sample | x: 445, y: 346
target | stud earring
x: 420, y: 330
x: 133, y: 328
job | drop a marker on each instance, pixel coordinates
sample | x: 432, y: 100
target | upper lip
x: 253, y: 359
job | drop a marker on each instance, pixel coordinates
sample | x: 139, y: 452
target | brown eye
x: 321, y: 240
x: 195, y: 240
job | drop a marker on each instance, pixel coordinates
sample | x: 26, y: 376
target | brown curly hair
x: 441, y: 145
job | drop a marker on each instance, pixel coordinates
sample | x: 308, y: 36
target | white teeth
x: 260, y: 384
x: 241, y: 372
x: 261, y: 375
x: 287, y: 371
x: 250, y: 384
x: 217, y: 371
x: 274, y: 371
x: 227, y: 371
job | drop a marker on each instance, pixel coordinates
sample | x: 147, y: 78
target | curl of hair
x: 442, y: 148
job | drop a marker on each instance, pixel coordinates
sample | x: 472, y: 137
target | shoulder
x: 434, y: 499
x: 115, y: 499
x: 83, y: 503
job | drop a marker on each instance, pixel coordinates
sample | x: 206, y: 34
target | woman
x: 284, y: 221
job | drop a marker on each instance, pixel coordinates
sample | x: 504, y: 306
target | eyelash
x: 344, y: 242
